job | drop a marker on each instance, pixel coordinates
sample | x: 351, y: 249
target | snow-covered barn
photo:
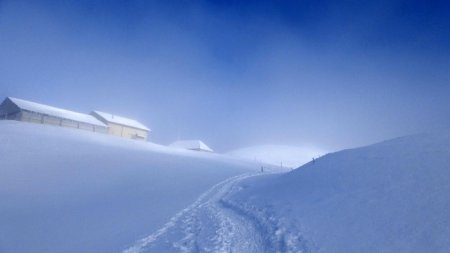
x: 123, y: 127
x: 23, y: 110
x: 196, y: 145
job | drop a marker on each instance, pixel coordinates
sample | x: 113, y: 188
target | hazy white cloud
x: 231, y: 76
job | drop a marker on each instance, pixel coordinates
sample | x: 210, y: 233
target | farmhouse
x: 23, y: 110
x: 123, y: 127
x: 196, y: 145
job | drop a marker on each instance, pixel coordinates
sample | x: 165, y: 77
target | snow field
x: 67, y: 190
x: 64, y: 190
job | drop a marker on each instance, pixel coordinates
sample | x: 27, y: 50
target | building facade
x: 27, y: 111
x: 123, y: 127
x: 196, y: 145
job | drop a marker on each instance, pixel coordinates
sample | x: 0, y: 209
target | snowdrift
x: 389, y: 197
x: 64, y: 190
x: 288, y: 156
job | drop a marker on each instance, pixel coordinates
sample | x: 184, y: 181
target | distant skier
x: 262, y: 169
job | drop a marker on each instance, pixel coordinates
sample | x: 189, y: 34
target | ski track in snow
x: 214, y: 223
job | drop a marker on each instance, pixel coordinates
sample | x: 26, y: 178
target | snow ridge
x: 214, y: 223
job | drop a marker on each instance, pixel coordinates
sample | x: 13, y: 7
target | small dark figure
x: 313, y: 160
x: 262, y: 169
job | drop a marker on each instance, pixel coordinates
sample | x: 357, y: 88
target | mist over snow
x: 236, y: 73
x: 267, y: 85
x: 278, y: 155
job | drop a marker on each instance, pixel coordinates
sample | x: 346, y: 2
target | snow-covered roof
x: 191, y: 144
x: 108, y: 117
x: 56, y: 112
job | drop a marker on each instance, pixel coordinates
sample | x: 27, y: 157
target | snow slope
x: 389, y: 197
x: 288, y: 156
x: 66, y: 190
x: 207, y: 225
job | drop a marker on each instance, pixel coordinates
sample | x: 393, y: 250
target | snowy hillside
x: 288, y: 156
x: 389, y: 197
x: 64, y: 190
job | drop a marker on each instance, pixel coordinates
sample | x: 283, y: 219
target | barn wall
x: 8, y: 110
x: 12, y: 116
x: 85, y: 126
x: 55, y: 121
x: 100, y: 129
x: 127, y: 132
x: 69, y: 123
x: 30, y: 117
x: 115, y: 129
x: 50, y: 120
x: 134, y: 133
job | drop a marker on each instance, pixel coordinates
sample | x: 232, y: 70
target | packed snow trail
x: 212, y: 224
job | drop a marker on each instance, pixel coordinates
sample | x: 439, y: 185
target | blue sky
x: 334, y: 74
